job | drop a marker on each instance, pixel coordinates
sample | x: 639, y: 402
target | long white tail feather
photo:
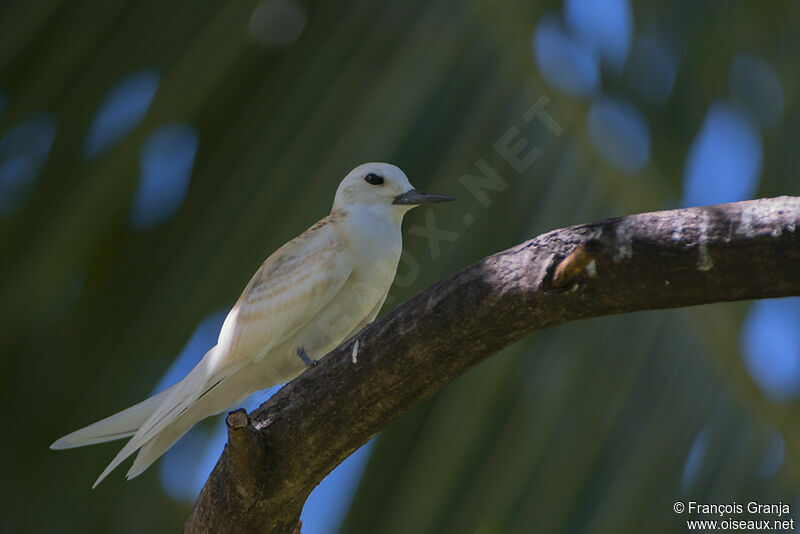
x: 178, y: 403
x: 120, y: 425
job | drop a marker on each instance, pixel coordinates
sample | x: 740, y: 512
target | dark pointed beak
x: 414, y: 198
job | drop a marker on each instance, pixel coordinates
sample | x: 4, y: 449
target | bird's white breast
x: 376, y: 240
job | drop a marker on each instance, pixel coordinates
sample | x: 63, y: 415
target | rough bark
x: 665, y: 259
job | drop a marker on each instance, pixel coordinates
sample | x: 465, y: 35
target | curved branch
x: 654, y: 260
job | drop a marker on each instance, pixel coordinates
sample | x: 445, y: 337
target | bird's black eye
x: 373, y: 179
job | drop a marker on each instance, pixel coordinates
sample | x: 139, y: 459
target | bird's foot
x: 306, y: 359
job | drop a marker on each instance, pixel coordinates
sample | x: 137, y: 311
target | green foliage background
x: 585, y: 428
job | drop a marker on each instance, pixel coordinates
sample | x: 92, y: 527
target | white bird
x: 307, y: 297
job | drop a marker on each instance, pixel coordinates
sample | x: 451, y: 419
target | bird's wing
x: 289, y: 289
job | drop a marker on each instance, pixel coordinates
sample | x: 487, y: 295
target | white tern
x: 311, y: 294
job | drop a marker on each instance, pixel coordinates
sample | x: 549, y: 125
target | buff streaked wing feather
x: 287, y: 291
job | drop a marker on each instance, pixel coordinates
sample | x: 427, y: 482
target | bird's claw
x: 306, y: 359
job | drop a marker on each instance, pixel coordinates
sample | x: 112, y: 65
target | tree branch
x: 654, y: 260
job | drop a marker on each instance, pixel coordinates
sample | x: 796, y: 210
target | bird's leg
x: 303, y: 356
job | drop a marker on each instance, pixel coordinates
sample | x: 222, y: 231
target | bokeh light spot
x: 120, y: 112
x: 774, y: 454
x: 603, y: 26
x: 651, y: 69
x: 619, y: 133
x: 23, y: 152
x: 724, y: 160
x: 327, y: 505
x: 166, y: 160
x: 276, y: 23
x: 695, y: 459
x: 770, y: 342
x: 565, y: 64
x: 756, y: 89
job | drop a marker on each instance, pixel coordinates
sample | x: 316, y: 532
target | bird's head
x: 381, y: 185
